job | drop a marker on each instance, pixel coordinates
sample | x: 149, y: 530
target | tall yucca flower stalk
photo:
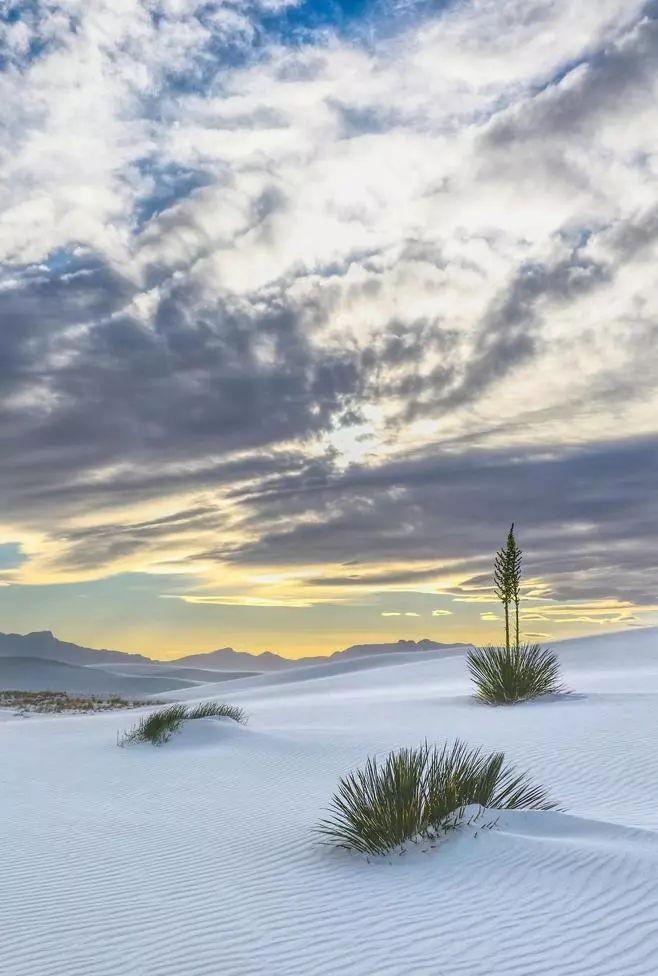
x: 507, y: 582
x: 514, y: 557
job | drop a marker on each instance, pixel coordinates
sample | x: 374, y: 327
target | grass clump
x: 504, y: 675
x: 159, y: 726
x: 421, y: 793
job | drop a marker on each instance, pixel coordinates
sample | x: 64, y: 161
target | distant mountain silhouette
x: 226, y: 657
x: 43, y: 644
x: 395, y: 647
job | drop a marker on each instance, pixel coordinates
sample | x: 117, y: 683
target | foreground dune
x: 198, y: 858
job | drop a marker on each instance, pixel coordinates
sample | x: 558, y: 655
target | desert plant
x: 503, y: 675
x: 507, y: 582
x: 421, y: 794
x: 159, y: 726
x: 514, y: 557
x: 502, y: 586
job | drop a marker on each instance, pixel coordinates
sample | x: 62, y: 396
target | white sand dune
x: 36, y: 674
x: 160, y: 670
x: 128, y: 680
x: 198, y: 858
x: 318, y: 673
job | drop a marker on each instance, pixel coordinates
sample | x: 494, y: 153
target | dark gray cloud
x: 584, y: 517
x: 88, y: 385
x: 375, y: 579
x: 90, y: 547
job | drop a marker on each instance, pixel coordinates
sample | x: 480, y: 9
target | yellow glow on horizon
x: 380, y: 609
x: 298, y: 644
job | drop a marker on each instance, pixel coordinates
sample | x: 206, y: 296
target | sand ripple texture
x: 199, y: 858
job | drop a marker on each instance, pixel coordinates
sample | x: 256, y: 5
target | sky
x: 303, y: 303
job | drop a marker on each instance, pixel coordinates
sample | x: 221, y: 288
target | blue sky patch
x: 11, y: 555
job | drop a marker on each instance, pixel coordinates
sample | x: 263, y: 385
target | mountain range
x: 44, y: 645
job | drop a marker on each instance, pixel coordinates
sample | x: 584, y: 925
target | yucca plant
x: 159, y: 726
x: 504, y: 675
x: 421, y: 793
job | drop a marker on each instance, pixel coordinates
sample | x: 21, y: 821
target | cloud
x: 344, y: 306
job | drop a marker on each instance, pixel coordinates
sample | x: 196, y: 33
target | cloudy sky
x: 301, y: 303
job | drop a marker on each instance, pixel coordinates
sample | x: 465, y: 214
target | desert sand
x: 198, y: 858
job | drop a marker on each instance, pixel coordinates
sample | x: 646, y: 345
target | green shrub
x: 420, y: 794
x: 158, y: 727
x: 504, y: 675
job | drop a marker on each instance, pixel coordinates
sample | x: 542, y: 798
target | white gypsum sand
x: 198, y: 858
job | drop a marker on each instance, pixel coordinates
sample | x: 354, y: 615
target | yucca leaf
x: 503, y: 675
x: 159, y: 726
x: 420, y: 793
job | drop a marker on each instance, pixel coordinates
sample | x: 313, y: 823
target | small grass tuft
x: 158, y: 727
x: 505, y: 675
x: 421, y: 793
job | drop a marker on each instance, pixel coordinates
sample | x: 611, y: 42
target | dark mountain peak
x: 226, y: 658
x: 43, y: 644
